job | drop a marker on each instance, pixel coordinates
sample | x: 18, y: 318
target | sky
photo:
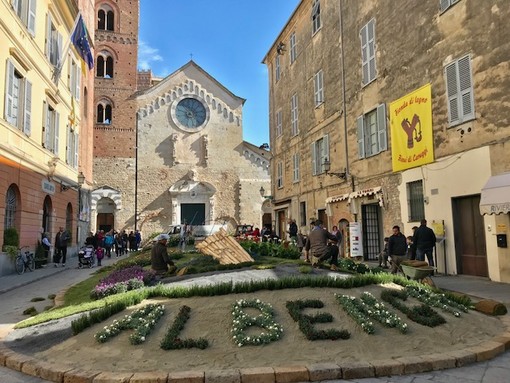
x: 227, y: 38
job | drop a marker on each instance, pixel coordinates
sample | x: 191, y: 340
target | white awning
x: 357, y: 194
x: 337, y: 198
x: 496, y: 195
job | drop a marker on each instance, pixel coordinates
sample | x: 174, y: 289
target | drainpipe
x: 136, y: 170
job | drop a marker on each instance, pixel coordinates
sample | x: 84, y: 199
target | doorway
x: 371, y: 231
x: 46, y: 221
x: 282, y: 223
x: 323, y: 217
x: 193, y: 213
x: 470, y: 250
x: 105, y: 222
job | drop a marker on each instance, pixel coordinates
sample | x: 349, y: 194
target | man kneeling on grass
x: 159, y: 255
x: 317, y: 246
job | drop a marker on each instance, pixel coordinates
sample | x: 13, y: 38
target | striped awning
x: 495, y: 197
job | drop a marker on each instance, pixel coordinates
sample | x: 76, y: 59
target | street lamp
x: 81, y: 179
x: 326, y: 165
x: 262, y: 192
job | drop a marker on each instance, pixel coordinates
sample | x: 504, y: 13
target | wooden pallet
x: 224, y: 248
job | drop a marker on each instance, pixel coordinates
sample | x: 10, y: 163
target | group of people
x: 60, y: 248
x: 320, y: 245
x: 398, y: 247
x: 118, y: 241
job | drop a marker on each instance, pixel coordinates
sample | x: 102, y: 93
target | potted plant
x: 40, y: 256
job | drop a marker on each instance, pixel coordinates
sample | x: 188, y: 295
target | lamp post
x: 326, y: 165
x: 262, y: 192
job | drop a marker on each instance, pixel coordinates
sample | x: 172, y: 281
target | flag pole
x: 58, y: 68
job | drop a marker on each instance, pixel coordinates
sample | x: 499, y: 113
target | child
x: 383, y: 255
x: 411, y: 251
x: 99, y: 255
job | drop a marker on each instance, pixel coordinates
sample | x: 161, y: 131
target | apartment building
x: 384, y: 115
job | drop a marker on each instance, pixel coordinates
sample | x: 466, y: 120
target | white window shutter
x: 47, y: 125
x: 76, y: 146
x: 444, y: 5
x: 32, y: 6
x: 58, y: 49
x: 57, y: 127
x: 313, y: 150
x: 371, y: 50
x: 361, y: 137
x: 9, y: 91
x: 364, y: 55
x: 466, y: 88
x: 48, y: 36
x: 27, y: 120
x: 381, y: 127
x: 69, y: 145
x: 78, y: 81
x: 452, y: 93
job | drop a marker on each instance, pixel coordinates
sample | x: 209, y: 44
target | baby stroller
x: 86, y: 256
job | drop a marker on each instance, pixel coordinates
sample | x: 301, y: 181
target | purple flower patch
x: 123, y: 280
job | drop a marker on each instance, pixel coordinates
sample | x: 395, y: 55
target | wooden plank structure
x: 224, y: 248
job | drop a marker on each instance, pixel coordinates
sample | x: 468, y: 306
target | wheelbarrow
x: 418, y: 273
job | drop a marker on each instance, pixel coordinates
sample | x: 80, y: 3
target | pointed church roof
x: 188, y: 69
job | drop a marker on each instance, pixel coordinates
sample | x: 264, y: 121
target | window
x: 53, y: 42
x: 279, y: 175
x: 277, y: 68
x: 459, y: 88
x: 316, y: 16
x: 72, y: 148
x: 293, y: 50
x: 279, y: 129
x: 415, y: 201
x: 18, y: 99
x: 372, y: 132
x: 320, y: 153
x: 318, y: 82
x: 445, y: 4
x: 104, y: 65
x: 302, y: 213
x: 105, y: 18
x: 367, y: 36
x: 104, y: 113
x: 295, y: 161
x: 25, y: 9
x: 74, y: 79
x: 11, y: 204
x: 294, y: 115
x: 51, y: 128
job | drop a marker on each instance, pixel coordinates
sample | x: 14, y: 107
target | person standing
x: 397, y: 248
x: 293, y: 229
x: 159, y: 255
x: 317, y: 246
x: 424, y: 240
x: 46, y: 244
x: 61, y: 240
x: 138, y: 239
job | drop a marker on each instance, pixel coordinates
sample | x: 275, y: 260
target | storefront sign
x: 411, y: 130
x: 501, y: 228
x: 355, y: 239
x: 48, y: 186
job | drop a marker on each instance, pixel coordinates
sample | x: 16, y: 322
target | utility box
x: 501, y: 240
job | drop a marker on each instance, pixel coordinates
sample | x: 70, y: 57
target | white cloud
x: 147, y: 55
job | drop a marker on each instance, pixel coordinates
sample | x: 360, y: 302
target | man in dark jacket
x: 397, y: 248
x: 159, y: 255
x: 293, y: 229
x: 424, y: 240
x: 317, y: 245
x: 61, y: 240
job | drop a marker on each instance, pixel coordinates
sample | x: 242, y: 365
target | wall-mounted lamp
x: 81, y: 179
x: 280, y: 49
x: 262, y: 192
x: 63, y: 187
x: 326, y: 165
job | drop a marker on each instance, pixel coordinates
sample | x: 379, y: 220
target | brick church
x: 167, y: 151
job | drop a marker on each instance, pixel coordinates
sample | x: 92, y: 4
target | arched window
x: 11, y: 207
x: 69, y: 218
x: 104, y: 113
x: 47, y: 208
x: 105, y: 19
x: 104, y: 65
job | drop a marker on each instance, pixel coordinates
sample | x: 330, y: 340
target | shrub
x: 11, y: 237
x: 268, y: 249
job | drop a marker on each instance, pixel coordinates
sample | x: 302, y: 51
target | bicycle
x: 24, y: 260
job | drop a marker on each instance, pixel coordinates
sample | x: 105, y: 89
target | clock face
x: 190, y: 113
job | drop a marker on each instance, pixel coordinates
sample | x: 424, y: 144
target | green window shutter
x: 9, y: 92
x: 27, y: 120
x: 314, y: 158
x: 372, y: 72
x: 381, y: 127
x: 32, y: 6
x: 361, y: 137
x: 466, y: 88
x: 452, y: 93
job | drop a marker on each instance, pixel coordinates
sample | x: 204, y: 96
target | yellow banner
x: 412, y: 141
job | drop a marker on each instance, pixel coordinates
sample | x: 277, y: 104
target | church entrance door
x: 193, y: 213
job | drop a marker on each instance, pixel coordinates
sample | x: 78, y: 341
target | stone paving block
x: 4, y: 354
x: 357, y: 370
x: 186, y: 377
x: 487, y: 350
x: 51, y: 372
x: 149, y: 377
x: 15, y: 361
x: 388, y: 367
x: 222, y: 376
x: 463, y: 357
x: 80, y: 376
x: 324, y: 371
x: 503, y: 339
x: 415, y: 364
x: 287, y: 374
x: 441, y: 361
x: 31, y: 368
x: 257, y: 375
x: 113, y: 377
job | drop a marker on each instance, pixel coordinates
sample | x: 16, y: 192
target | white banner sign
x: 356, y: 241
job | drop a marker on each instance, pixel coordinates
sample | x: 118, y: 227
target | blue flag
x: 80, y: 40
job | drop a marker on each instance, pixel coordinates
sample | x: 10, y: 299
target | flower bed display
x: 171, y: 341
x: 265, y: 320
x: 431, y: 298
x: 120, y: 281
